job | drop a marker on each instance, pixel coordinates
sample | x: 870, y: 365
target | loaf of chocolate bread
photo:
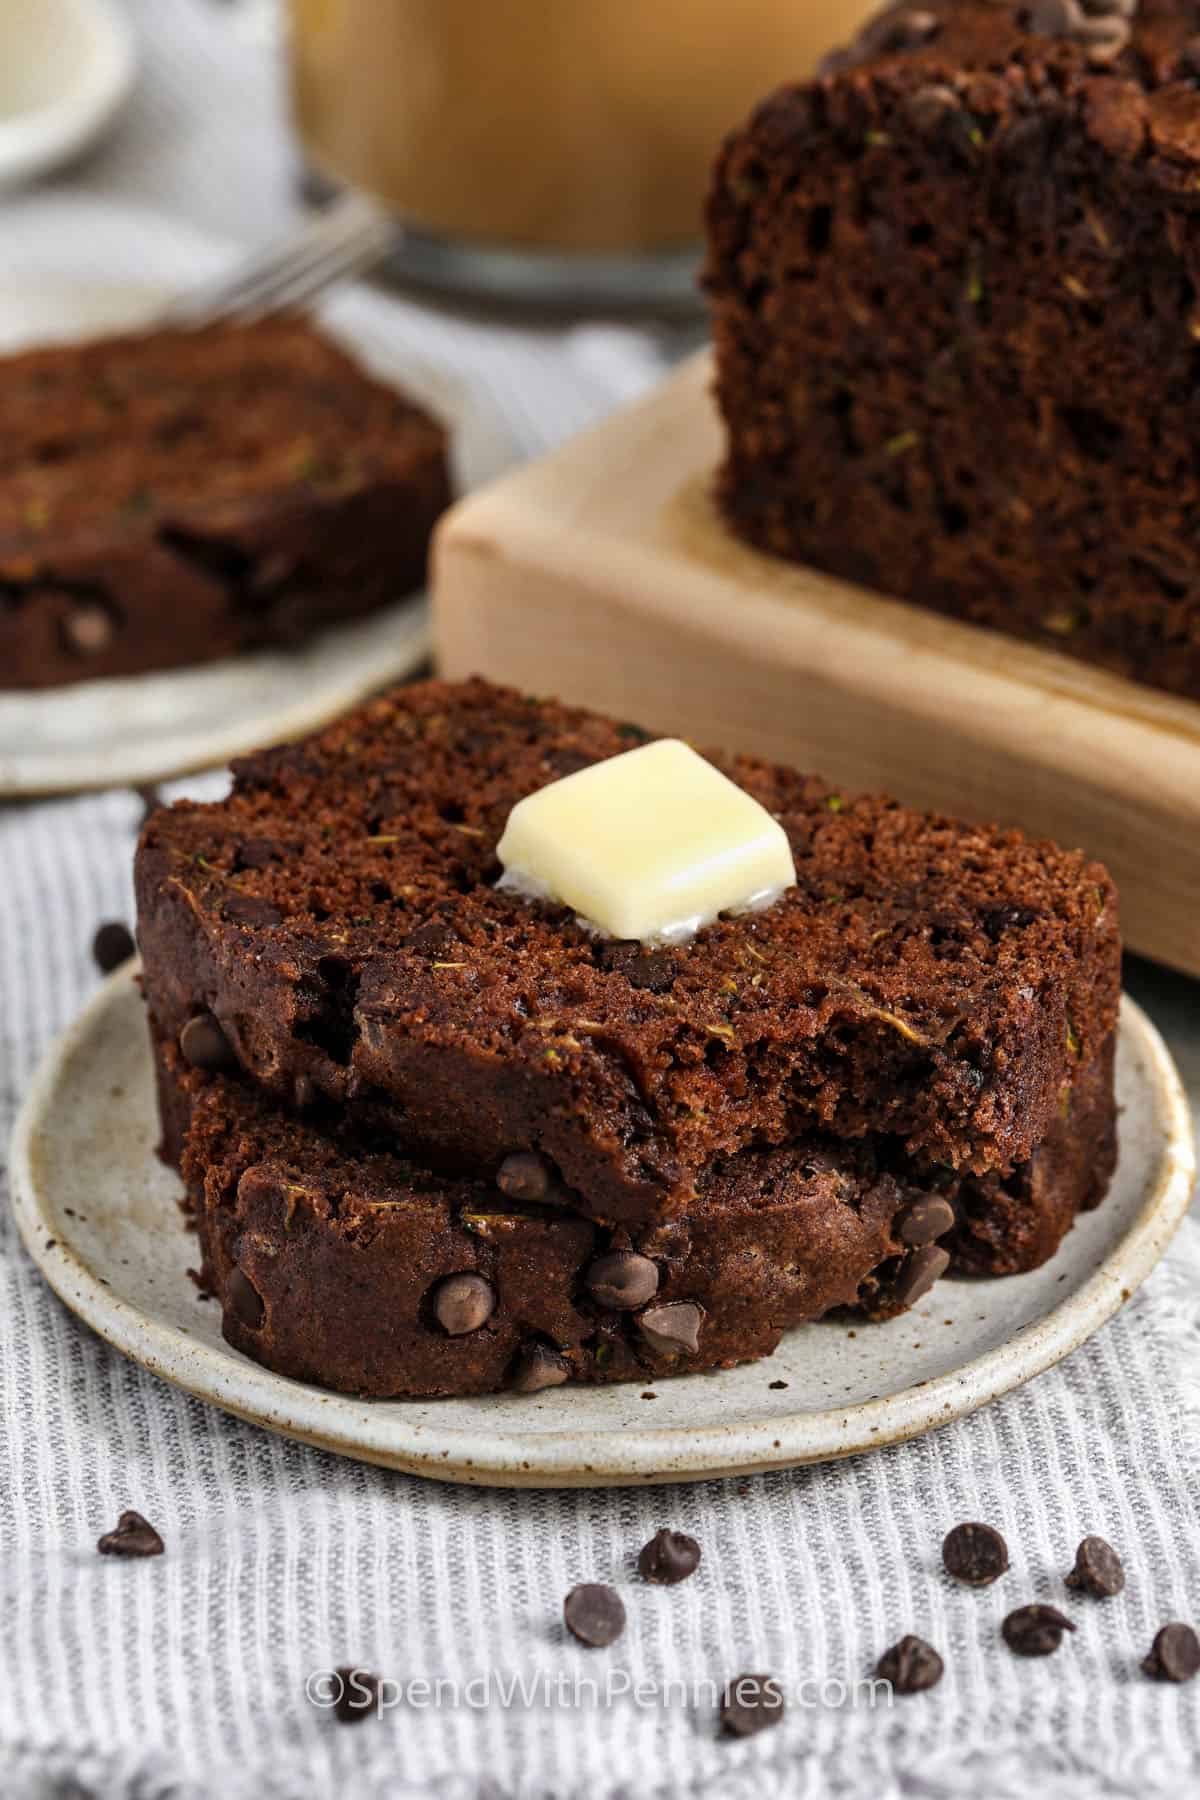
x: 955, y: 287
x: 333, y: 928
x: 178, y: 496
x: 337, y: 1262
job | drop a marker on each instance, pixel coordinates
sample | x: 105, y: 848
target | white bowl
x: 66, y: 66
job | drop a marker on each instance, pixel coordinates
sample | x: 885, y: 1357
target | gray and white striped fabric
x: 186, y: 1676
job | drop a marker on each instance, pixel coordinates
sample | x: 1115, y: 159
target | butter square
x: 651, y: 844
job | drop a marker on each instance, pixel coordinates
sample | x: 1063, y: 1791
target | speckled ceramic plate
x: 98, y: 1215
x: 143, y: 728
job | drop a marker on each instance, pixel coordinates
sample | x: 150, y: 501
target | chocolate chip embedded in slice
x: 246, y: 1301
x: 621, y: 1279
x: 594, y: 1614
x: 749, y: 1704
x: 1098, y: 1570
x: 112, y: 945
x: 911, y: 1666
x: 1035, y: 1630
x: 650, y: 971
x: 924, y: 1221
x: 538, y: 1367
x: 134, y: 1536
x: 525, y: 1176
x: 919, y: 1273
x: 358, y: 1696
x: 673, y: 1327
x: 463, y: 1303
x: 258, y: 853
x: 1174, y: 1654
x: 976, y: 1554
x: 434, y: 939
x: 249, y: 909
x: 204, y: 1044
x: 669, y: 1557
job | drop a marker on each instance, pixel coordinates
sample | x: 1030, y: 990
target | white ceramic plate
x: 98, y: 1215
x: 144, y: 728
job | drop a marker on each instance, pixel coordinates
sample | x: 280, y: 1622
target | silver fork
x: 348, y: 238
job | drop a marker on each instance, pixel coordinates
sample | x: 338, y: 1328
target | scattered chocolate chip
x: 650, y: 970
x: 911, y: 1666
x: 976, y: 1554
x: 249, y: 909
x: 204, y: 1044
x: 669, y: 1557
x: 525, y: 1176
x: 777, y: 1384
x: 924, y: 1221
x: 621, y: 1279
x: 258, y: 853
x: 1174, y: 1654
x: 1098, y: 1570
x: 358, y: 1696
x: 999, y: 919
x: 434, y: 938
x: 929, y: 107
x: 112, y: 945
x: 539, y: 1367
x: 750, y: 1703
x: 246, y: 1300
x: 919, y: 1273
x: 594, y: 1614
x: 134, y: 1536
x: 463, y: 1303
x: 87, y: 630
x: 673, y: 1327
x: 1035, y: 1630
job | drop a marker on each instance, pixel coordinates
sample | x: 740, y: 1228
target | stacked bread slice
x: 440, y: 1138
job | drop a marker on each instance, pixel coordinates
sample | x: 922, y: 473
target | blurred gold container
x: 544, y: 149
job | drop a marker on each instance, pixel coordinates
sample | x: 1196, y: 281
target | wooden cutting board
x: 602, y: 574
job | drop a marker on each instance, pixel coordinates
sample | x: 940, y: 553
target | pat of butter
x: 650, y: 845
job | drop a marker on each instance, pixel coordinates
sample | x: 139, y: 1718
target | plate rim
x: 647, y: 1456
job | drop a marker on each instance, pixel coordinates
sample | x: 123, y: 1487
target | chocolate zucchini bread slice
x: 334, y: 929
x: 955, y: 288
x: 337, y: 1262
x: 178, y: 496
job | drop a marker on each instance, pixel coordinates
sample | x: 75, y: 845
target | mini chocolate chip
x: 358, y: 1696
x: 976, y: 1554
x: 112, y: 945
x: 652, y: 971
x: 249, y: 909
x: 750, y: 1703
x: 1174, y: 1654
x: 246, y: 1300
x: 621, y: 1279
x: 924, y: 1221
x: 134, y: 1536
x: 258, y: 852
x: 911, y: 1666
x: 919, y: 1273
x: 999, y: 919
x: 434, y: 938
x: 204, y: 1044
x: 928, y: 107
x: 669, y: 1557
x: 1098, y: 1570
x: 673, y: 1327
x: 539, y: 1367
x: 525, y: 1176
x: 594, y: 1614
x: 1035, y: 1630
x: 87, y: 630
x: 463, y: 1303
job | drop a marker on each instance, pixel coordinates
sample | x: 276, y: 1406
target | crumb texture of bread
x: 944, y: 985
x: 327, y: 1251
x: 175, y: 497
x: 956, y: 299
